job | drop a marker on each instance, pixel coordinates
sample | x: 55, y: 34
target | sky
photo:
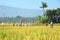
x: 30, y: 4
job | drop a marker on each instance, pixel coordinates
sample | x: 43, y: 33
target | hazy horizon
x: 26, y: 8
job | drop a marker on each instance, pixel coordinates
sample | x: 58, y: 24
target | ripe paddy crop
x: 29, y: 33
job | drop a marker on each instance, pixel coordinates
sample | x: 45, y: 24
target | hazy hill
x: 12, y: 12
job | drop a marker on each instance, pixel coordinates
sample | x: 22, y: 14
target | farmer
x: 51, y: 24
x: 21, y: 23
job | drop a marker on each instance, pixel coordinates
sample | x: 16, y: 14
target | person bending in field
x: 51, y: 24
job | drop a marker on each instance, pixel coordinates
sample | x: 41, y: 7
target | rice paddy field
x: 29, y: 33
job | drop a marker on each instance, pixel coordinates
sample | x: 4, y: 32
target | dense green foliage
x: 39, y: 19
x: 53, y: 15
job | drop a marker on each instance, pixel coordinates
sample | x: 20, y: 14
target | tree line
x: 53, y: 15
x: 50, y: 15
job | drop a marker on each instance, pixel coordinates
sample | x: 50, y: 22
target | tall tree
x: 53, y: 15
x: 44, y: 5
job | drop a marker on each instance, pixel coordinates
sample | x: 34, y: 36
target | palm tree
x: 44, y: 5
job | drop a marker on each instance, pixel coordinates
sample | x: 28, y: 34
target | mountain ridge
x: 12, y: 12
